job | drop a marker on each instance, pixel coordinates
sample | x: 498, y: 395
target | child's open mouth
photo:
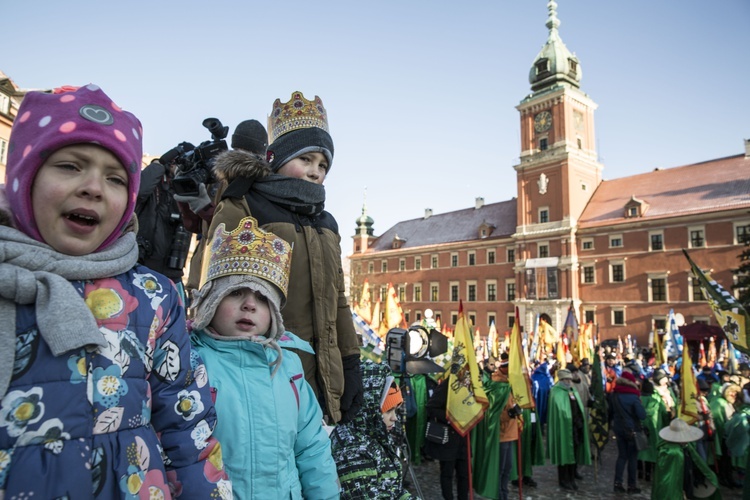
x: 82, y: 219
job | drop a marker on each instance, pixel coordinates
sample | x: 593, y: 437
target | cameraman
x: 163, y: 242
x: 198, y: 210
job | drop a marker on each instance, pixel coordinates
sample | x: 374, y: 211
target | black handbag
x: 436, y: 432
x: 639, y: 434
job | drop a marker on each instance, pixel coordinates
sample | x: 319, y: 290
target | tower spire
x: 555, y: 65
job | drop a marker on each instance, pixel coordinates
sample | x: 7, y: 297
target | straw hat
x: 680, y: 432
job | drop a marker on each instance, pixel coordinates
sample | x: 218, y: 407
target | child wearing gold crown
x: 269, y: 421
x: 285, y: 193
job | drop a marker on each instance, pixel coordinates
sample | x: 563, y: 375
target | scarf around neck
x: 32, y: 272
x: 297, y: 195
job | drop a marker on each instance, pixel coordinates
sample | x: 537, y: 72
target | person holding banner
x: 510, y: 427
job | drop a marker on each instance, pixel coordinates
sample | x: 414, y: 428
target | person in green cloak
x: 567, y: 431
x: 722, y: 409
x: 679, y: 465
x: 657, y: 417
x: 738, y: 436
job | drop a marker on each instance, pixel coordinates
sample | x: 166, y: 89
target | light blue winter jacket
x: 273, y: 441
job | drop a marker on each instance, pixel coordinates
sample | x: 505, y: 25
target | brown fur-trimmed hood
x: 239, y: 163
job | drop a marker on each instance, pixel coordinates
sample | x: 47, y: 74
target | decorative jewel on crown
x: 297, y: 113
x: 249, y: 250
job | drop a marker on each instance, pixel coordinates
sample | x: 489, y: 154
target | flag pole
x: 520, y: 468
x: 468, y: 462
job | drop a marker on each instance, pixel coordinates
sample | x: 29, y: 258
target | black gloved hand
x: 351, y: 400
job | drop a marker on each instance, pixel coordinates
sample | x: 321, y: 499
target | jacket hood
x: 239, y: 163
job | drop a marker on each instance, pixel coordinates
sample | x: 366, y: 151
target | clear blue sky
x: 420, y: 94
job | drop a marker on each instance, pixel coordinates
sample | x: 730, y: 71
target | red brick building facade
x: 612, y: 248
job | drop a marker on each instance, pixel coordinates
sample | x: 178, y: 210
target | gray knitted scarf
x: 32, y: 272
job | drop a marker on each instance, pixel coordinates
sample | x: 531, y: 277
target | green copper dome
x: 555, y: 64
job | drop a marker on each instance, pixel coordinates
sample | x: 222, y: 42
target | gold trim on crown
x: 295, y: 114
x: 249, y: 250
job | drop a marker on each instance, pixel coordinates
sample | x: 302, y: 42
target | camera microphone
x: 251, y: 136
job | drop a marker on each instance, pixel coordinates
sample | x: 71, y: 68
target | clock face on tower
x: 542, y: 121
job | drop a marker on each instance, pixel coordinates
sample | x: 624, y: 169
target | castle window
x: 542, y: 66
x: 434, y: 289
x: 490, y: 256
x: 454, y: 292
x: 587, y: 244
x: 697, y: 237
x: 618, y: 317
x: 491, y: 291
x: 472, y: 258
x: 543, y: 144
x: 384, y: 266
x: 543, y: 215
x: 370, y: 267
x: 615, y: 241
x: 657, y: 241
x: 434, y: 261
x: 402, y: 264
x: 454, y: 260
x: 417, y: 292
x: 511, y: 255
x: 417, y: 263
x: 588, y: 274
x: 472, y: 292
x: 573, y: 67
x: 617, y: 272
x: 543, y: 250
x: 510, y: 290
x: 742, y: 233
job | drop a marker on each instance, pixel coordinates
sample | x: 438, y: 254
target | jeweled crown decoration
x: 295, y: 114
x: 249, y: 250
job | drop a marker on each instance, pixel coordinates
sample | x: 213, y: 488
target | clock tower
x: 557, y: 174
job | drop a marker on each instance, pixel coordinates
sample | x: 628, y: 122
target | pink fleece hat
x: 47, y: 122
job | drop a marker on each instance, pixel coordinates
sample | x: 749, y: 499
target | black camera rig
x: 194, y: 164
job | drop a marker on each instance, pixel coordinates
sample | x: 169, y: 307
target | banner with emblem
x: 731, y: 316
x: 688, y: 389
x: 518, y: 369
x: 599, y: 410
x: 466, y: 398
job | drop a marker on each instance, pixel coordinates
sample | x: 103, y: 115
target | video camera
x: 194, y: 163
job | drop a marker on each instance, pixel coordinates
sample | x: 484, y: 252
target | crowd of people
x: 118, y: 380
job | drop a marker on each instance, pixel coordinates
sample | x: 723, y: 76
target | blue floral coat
x: 132, y: 420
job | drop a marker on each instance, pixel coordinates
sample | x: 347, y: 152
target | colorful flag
x: 702, y: 356
x: 659, y: 352
x: 518, y: 369
x: 364, y: 308
x: 535, y: 343
x: 393, y: 315
x: 570, y: 329
x: 548, y: 337
x: 369, y: 337
x: 732, y: 317
x: 688, y: 390
x: 466, y: 398
x: 674, y: 335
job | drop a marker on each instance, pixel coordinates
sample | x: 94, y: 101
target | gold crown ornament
x: 297, y: 113
x: 248, y: 250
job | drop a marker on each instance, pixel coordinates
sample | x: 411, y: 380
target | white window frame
x: 4, y: 103
x: 3, y: 151
x: 617, y: 262
x: 663, y: 245
x: 511, y: 281
x: 402, y: 264
x: 584, y: 266
x: 690, y: 230
x: 434, y: 259
x: 487, y: 284
x: 417, y: 288
x: 435, y: 285
x: 507, y: 254
x: 457, y: 285
x: 613, y: 237
x: 736, y: 225
x: 539, y: 214
x: 384, y: 266
x: 587, y: 309
x: 454, y: 258
x: 654, y: 276
x: 494, y: 257
x: 417, y: 263
x: 471, y: 258
x: 583, y: 244
x: 622, y: 309
x: 539, y: 246
x: 469, y: 284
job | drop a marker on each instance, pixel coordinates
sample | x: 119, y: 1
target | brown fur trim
x: 239, y: 163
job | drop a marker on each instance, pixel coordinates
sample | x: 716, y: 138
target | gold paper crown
x: 247, y: 250
x: 295, y: 114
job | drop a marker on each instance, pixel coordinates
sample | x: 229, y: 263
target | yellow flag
x: 660, y: 358
x: 518, y: 369
x: 364, y: 308
x: 466, y: 398
x: 375, y: 323
x: 688, y: 389
x: 492, y: 340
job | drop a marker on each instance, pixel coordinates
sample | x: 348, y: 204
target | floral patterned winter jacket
x: 132, y: 420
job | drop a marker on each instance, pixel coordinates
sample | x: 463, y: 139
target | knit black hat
x: 297, y: 142
x: 250, y: 135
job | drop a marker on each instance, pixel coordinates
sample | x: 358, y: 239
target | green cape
x: 657, y: 418
x: 560, y: 449
x: 532, y: 448
x: 668, y: 473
